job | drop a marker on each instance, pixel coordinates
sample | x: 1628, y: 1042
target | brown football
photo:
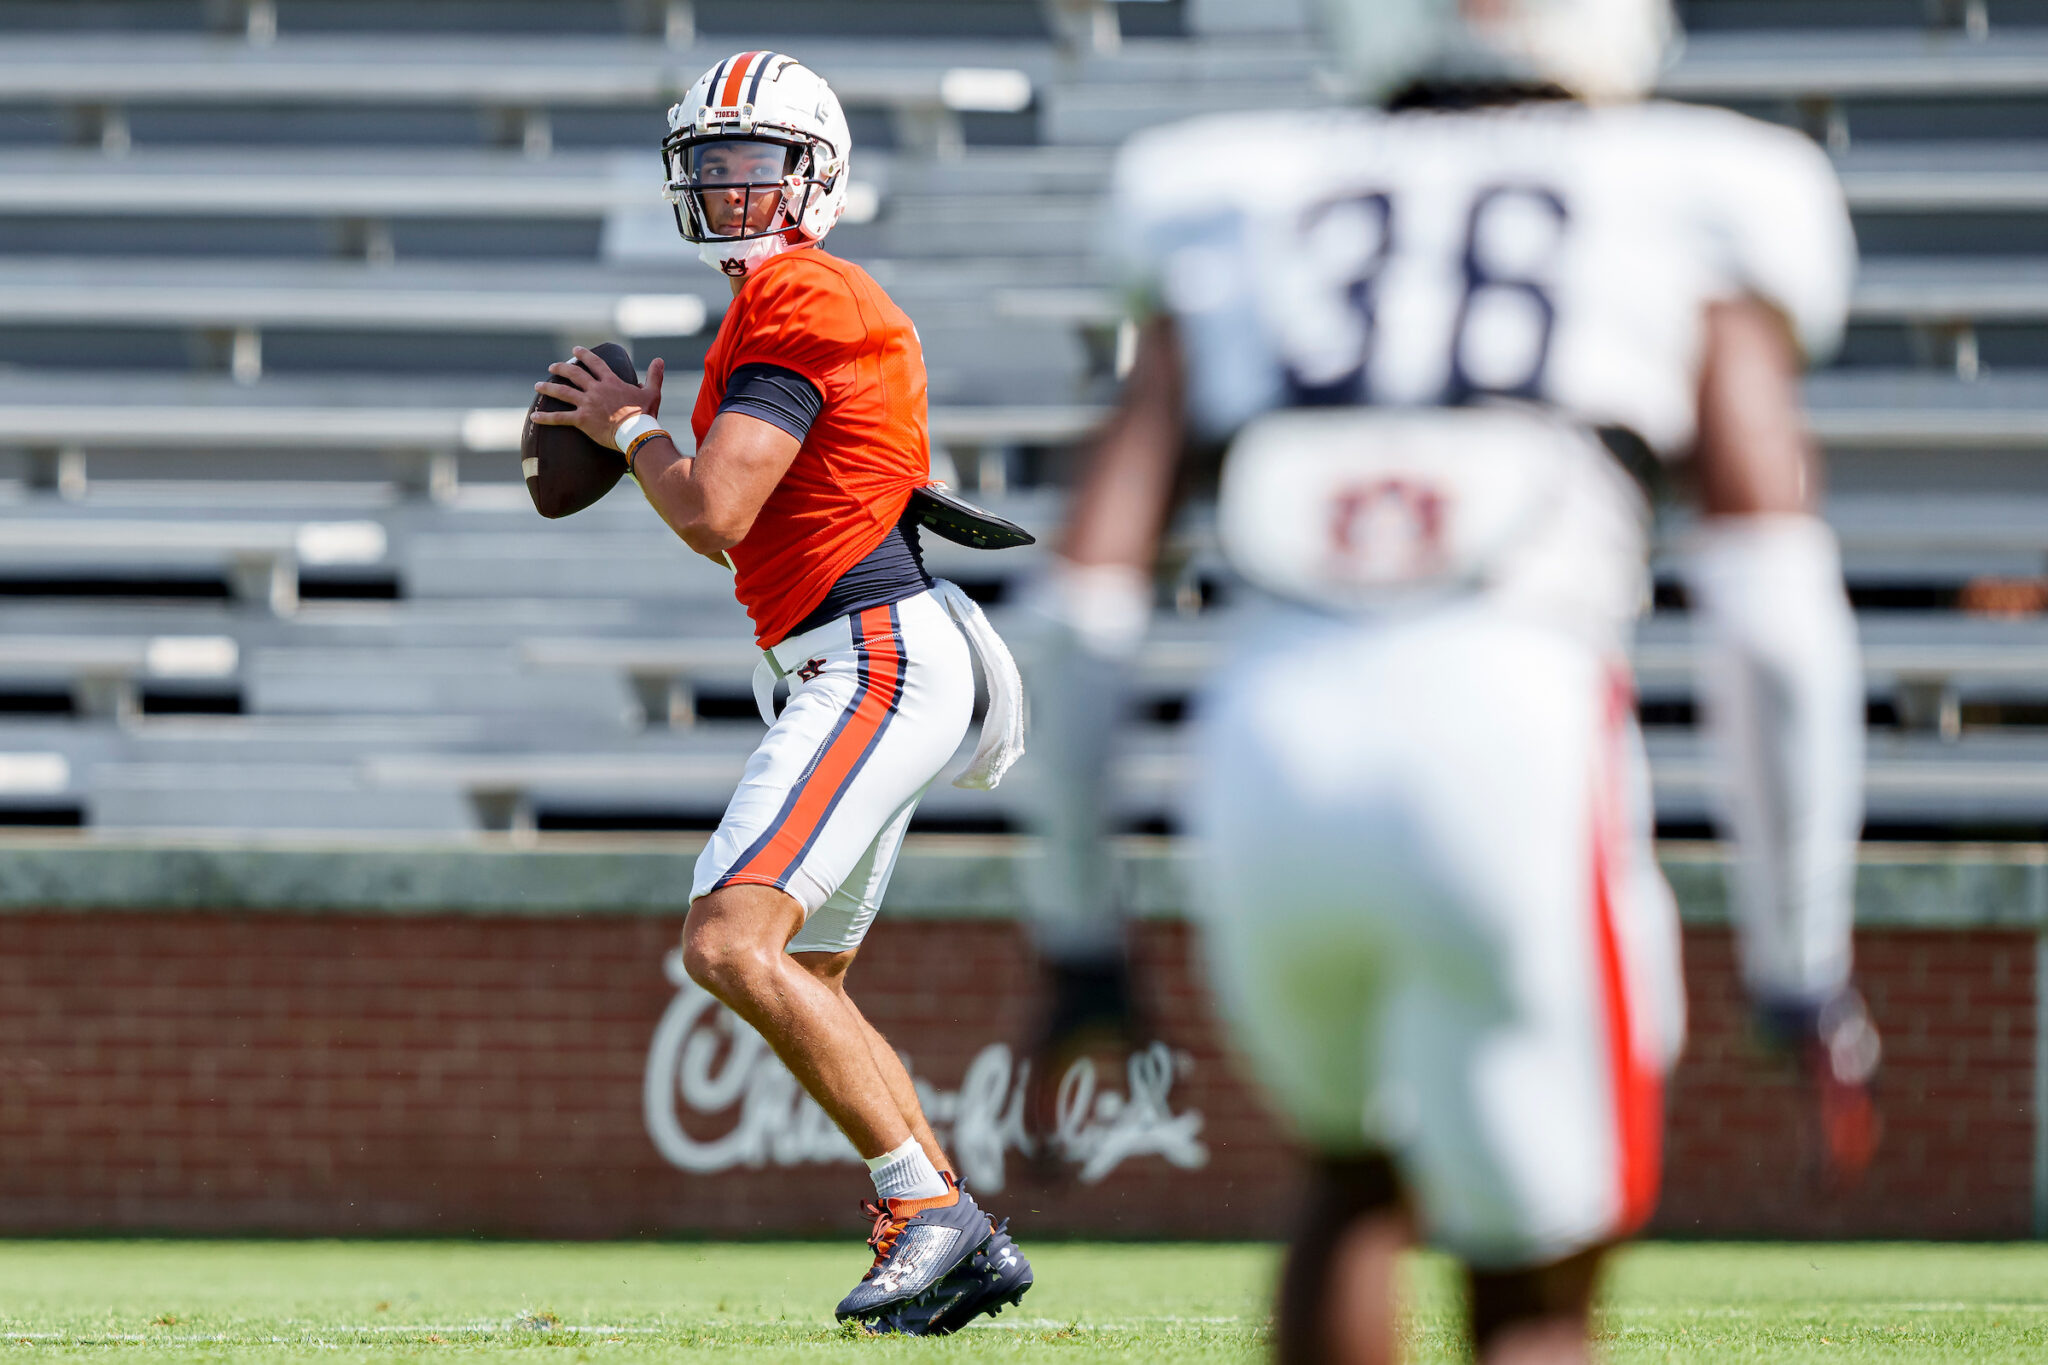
x: 565, y: 470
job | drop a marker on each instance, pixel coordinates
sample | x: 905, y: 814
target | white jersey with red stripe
x: 1425, y: 837
x: 1545, y: 257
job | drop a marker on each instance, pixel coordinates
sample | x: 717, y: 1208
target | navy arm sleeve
x: 782, y: 398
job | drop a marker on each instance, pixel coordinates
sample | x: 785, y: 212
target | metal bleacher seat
x: 522, y: 86
x: 237, y: 302
x: 1946, y: 297
x: 260, y: 559
x: 1823, y: 72
x: 1926, y: 666
x: 414, y: 430
x: 104, y: 673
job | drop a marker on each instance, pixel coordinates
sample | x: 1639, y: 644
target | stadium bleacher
x: 275, y: 276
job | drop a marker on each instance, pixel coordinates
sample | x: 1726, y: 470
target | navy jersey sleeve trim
x: 780, y: 397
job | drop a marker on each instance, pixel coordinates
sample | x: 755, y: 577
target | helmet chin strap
x: 740, y: 259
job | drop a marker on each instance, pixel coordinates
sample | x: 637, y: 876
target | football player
x: 1446, y: 334
x: 810, y: 443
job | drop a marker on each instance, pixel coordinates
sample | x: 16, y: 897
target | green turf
x: 339, y: 1301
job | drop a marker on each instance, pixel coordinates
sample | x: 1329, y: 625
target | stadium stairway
x: 276, y: 277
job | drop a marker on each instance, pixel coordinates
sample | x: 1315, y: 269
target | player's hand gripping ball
x: 565, y: 447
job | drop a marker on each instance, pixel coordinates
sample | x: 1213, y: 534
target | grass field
x: 348, y: 1301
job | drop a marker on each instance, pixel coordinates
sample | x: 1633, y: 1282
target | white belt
x: 1002, y: 728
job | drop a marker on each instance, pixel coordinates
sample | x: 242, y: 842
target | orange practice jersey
x: 827, y: 320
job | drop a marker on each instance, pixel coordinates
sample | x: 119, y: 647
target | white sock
x: 906, y: 1173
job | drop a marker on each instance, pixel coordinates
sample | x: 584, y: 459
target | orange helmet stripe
x: 737, y: 78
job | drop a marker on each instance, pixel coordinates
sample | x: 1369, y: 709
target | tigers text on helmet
x: 756, y: 160
x: 1598, y: 50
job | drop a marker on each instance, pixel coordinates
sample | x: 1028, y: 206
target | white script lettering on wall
x: 707, y: 1065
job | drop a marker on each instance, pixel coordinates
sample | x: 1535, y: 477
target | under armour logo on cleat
x: 810, y: 670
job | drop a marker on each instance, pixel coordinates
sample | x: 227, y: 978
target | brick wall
x: 346, y: 1074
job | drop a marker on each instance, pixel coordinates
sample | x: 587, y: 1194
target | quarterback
x: 810, y: 443
x: 1442, y: 335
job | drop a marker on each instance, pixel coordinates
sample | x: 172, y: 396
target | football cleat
x: 994, y: 1278
x: 1837, y: 1050
x: 918, y: 1243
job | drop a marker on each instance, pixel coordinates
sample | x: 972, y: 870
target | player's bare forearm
x: 1754, y: 455
x: 664, y: 476
x: 1126, y: 487
x: 712, y: 498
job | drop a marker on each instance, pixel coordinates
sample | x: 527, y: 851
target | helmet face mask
x: 755, y: 160
x: 732, y: 189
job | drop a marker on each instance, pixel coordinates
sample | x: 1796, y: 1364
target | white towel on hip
x: 1002, y: 728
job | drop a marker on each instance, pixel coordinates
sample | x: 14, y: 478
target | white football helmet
x: 1598, y: 50
x: 762, y: 101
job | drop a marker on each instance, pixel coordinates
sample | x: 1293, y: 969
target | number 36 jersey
x: 1432, y: 272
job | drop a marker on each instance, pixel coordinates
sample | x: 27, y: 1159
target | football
x: 565, y: 470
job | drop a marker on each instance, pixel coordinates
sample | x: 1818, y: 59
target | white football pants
x: 878, y: 704
x: 1434, y: 918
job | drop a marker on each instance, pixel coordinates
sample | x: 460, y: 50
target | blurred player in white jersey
x: 1442, y: 334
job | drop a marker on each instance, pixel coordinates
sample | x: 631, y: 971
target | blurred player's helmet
x: 1602, y: 50
x: 756, y: 160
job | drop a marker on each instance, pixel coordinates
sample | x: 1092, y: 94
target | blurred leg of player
x: 1338, y: 1289
x: 1783, y: 702
x: 1434, y: 921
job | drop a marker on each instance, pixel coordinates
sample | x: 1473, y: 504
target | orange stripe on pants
x: 1638, y: 1090
x: 834, y: 768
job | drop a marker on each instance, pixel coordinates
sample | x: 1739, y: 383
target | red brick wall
x: 334, y: 1074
